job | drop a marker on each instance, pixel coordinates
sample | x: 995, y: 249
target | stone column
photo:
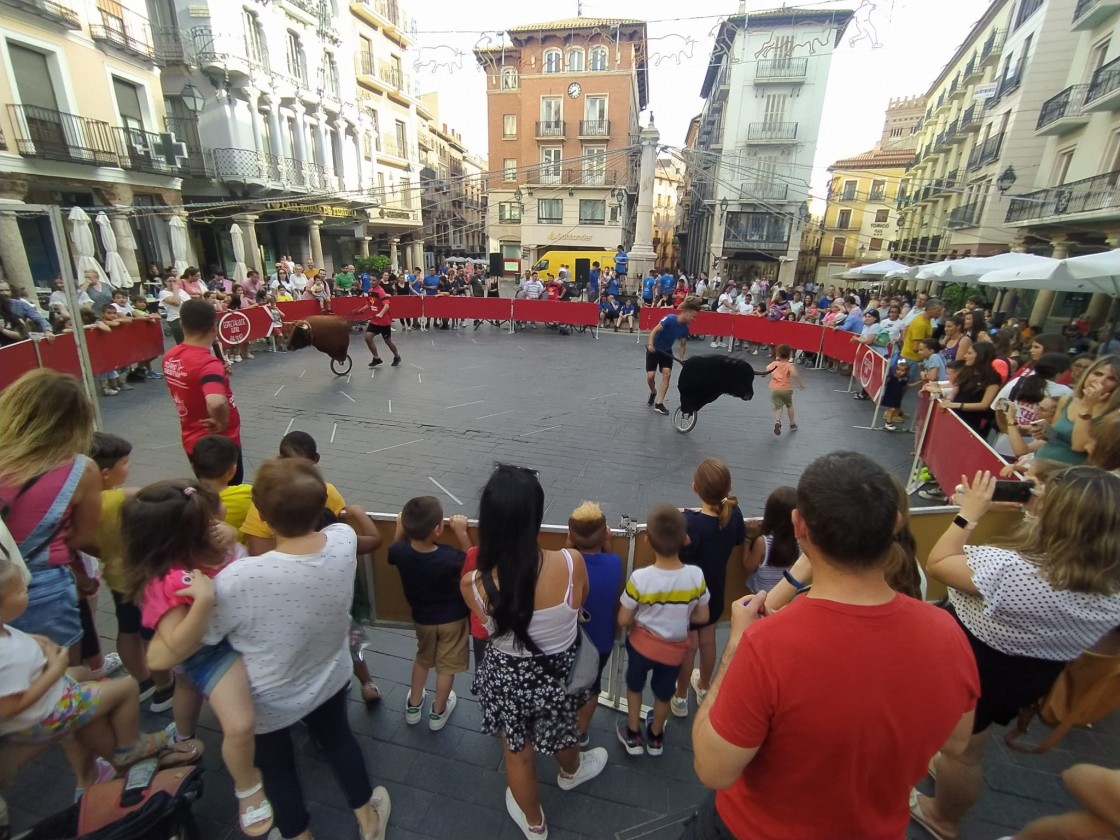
x: 393, y: 243
x: 316, y: 242
x: 417, y: 254
x: 126, y: 242
x: 363, y: 245
x: 248, y: 224
x: 276, y: 134
x: 13, y: 254
x: 253, y: 97
x: 301, y: 134
x: 642, y: 255
x: 1045, y: 300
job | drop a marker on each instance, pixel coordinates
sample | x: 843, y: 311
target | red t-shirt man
x: 191, y: 374
x: 376, y: 298
x: 845, y: 704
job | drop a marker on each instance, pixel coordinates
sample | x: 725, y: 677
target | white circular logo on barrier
x: 233, y: 328
x: 866, y: 370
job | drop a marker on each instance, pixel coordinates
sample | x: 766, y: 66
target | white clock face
x: 574, y: 90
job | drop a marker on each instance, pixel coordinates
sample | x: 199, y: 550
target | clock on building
x: 574, y: 90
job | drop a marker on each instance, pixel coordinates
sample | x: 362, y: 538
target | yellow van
x: 550, y: 261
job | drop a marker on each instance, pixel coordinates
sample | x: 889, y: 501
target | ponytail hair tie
x: 189, y: 491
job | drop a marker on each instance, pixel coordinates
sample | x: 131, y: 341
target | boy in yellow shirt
x: 214, y: 462
x: 112, y: 455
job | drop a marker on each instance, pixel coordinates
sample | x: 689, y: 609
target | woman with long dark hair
x: 977, y: 386
x: 529, y: 601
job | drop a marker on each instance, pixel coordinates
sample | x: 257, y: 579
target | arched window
x: 552, y: 61
x: 509, y: 78
x: 598, y: 63
x: 575, y: 61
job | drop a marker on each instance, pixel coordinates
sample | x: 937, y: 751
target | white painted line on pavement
x: 290, y: 422
x: 278, y: 390
x: 410, y: 364
x: 420, y: 378
x: 348, y: 396
x: 334, y: 431
x: 538, y: 431
x: 395, y: 445
x: 390, y: 406
x: 522, y: 349
x: 454, y: 498
x: 301, y: 375
x: 499, y: 414
x: 615, y: 394
x: 460, y: 405
x: 348, y: 378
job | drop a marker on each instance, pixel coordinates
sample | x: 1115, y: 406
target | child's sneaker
x: 163, y: 698
x: 777, y: 428
x: 436, y: 722
x: 412, y: 714
x: 793, y: 427
x: 591, y: 764
x: 890, y: 427
x: 679, y: 706
x: 631, y: 740
x: 655, y: 744
x: 694, y: 681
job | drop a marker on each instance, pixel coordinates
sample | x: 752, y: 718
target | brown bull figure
x: 328, y: 334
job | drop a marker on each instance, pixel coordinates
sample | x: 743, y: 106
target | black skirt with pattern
x: 525, y: 698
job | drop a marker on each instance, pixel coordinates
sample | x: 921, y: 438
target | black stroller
x: 704, y: 379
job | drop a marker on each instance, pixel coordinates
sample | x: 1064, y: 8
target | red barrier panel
x: 405, y: 306
x: 62, y: 354
x: 15, y: 360
x: 297, y: 310
x: 555, y: 312
x: 477, y: 308
x: 871, y: 370
x: 838, y: 345
x: 134, y: 341
x: 260, y: 321
x: 348, y: 307
x: 713, y: 323
x: 650, y: 316
x: 951, y: 449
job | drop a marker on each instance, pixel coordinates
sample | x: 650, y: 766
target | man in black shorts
x: 380, y: 323
x: 659, y: 351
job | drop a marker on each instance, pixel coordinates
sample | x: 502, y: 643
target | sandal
x: 151, y: 743
x: 371, y: 694
x: 255, y: 820
x: 180, y: 753
x: 920, y: 818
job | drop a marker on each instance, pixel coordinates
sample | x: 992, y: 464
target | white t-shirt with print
x: 289, y: 617
x: 1018, y: 613
x: 665, y: 598
x: 21, y: 662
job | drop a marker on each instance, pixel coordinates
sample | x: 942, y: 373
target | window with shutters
x: 592, y: 211
x: 552, y: 61
x: 775, y: 108
x: 509, y: 126
x: 575, y: 61
x: 838, y: 243
x: 550, y: 211
x: 598, y: 60
x: 844, y: 219
x: 550, y: 164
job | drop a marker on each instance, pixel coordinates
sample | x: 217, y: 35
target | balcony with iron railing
x: 987, y: 153
x: 771, y: 132
x: 389, y: 11
x: 249, y: 167
x: 973, y: 69
x: 1087, y: 14
x: 1063, y: 113
x: 993, y: 47
x: 1088, y: 199
x: 781, y: 69
x: 48, y: 10
x: 965, y: 216
x: 550, y: 129
x: 1104, y: 88
x: 198, y: 163
x: 123, y: 30
x: 594, y: 128
x: 591, y: 176
x: 225, y: 54
x: 48, y: 134
x: 171, y: 45
x: 763, y: 191
x: 971, y: 119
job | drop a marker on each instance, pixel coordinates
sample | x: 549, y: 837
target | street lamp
x: 723, y: 202
x: 1006, y: 180
x: 192, y: 97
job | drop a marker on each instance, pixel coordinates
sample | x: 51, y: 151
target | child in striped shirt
x: 658, y: 604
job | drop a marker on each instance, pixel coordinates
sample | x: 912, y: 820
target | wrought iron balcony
x: 224, y: 53
x: 965, y: 216
x: 1088, y: 13
x: 48, y: 10
x: 781, y: 69
x: 198, y: 161
x: 594, y: 128
x: 1098, y: 194
x: 1063, y: 113
x: 249, y: 167
x: 55, y: 135
x: 993, y: 47
x: 973, y: 68
x: 1104, y: 88
x: 156, y: 154
x: 986, y: 153
x: 550, y: 129
x: 971, y: 119
x: 170, y: 44
x: 591, y: 177
x: 124, y: 30
x: 763, y: 191
x: 771, y: 132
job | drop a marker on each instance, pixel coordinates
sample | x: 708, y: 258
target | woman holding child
x: 529, y: 601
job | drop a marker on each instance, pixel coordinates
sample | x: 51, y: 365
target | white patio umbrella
x: 81, y: 235
x: 119, y: 277
x: 240, y: 272
x: 179, y: 245
x: 973, y: 268
x: 1090, y: 273
x: 873, y: 270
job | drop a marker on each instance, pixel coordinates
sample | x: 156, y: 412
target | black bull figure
x: 704, y: 379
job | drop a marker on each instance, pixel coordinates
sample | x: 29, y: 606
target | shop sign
x: 568, y: 237
x: 312, y: 209
x: 405, y: 215
x: 985, y: 91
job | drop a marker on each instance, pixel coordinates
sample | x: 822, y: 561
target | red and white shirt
x: 377, y: 297
x: 191, y: 374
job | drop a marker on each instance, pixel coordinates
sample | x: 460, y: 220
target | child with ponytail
x: 716, y: 532
x: 174, y: 545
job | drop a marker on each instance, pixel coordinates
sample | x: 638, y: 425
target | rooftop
x: 876, y: 158
x: 575, y: 23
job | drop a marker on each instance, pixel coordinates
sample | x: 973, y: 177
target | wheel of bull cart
x: 684, y: 423
x: 341, y: 368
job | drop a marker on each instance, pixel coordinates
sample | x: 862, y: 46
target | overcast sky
x: 916, y: 38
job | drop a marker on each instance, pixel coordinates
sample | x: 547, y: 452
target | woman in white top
x: 1028, y: 607
x: 529, y: 602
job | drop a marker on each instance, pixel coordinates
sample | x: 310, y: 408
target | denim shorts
x: 207, y: 665
x: 52, y: 607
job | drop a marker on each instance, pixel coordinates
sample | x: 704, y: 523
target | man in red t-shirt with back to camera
x: 824, y: 715
x: 380, y: 321
x: 199, y: 384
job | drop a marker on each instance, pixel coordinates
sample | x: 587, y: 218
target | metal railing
x: 993, y: 46
x: 213, y: 48
x: 1068, y: 103
x: 781, y: 68
x: 394, y: 76
x: 170, y: 44
x: 772, y: 131
x: 1101, y: 192
x: 733, y: 241
x: 591, y: 176
x: 49, y: 10
x: 986, y: 153
x: 244, y: 165
x: 186, y: 130
x: 134, y: 39
x: 1010, y: 82
x: 971, y: 117
x: 55, y: 135
x: 594, y: 128
x: 550, y: 128
x: 964, y: 216
x: 1105, y: 80
x: 764, y: 191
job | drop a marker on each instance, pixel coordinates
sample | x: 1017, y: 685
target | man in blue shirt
x: 612, y: 284
x: 659, y: 351
x: 854, y: 322
x: 24, y: 310
x: 649, y: 286
x: 665, y: 283
x: 622, y: 264
x: 593, y: 283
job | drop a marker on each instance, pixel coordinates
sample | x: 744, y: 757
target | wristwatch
x: 963, y: 523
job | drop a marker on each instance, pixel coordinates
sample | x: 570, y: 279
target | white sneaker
x: 679, y: 706
x: 756, y: 351
x: 382, y: 807
x: 591, y: 764
x: 412, y: 714
x: 715, y: 344
x: 436, y: 722
x: 534, y: 832
x: 701, y: 693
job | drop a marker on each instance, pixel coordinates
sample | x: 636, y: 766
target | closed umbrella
x: 179, y: 245
x: 82, y: 236
x: 973, y: 268
x: 1090, y: 273
x: 118, y: 272
x: 240, y: 272
x: 873, y: 270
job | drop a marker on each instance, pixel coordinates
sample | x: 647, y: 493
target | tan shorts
x: 782, y: 399
x: 443, y: 646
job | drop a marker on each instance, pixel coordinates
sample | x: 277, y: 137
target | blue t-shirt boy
x: 672, y: 331
x: 621, y: 262
x: 431, y: 285
x: 593, y: 283
x: 648, y: 287
x: 612, y: 286
x: 628, y: 308
x: 604, y: 580
x: 665, y: 283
